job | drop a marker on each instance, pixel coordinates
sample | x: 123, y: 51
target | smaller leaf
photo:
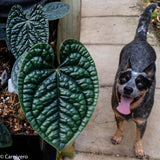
x: 25, y: 29
x: 56, y: 10
x: 15, y: 71
x: 4, y: 77
x: 2, y: 25
x: 2, y: 34
x: 5, y: 137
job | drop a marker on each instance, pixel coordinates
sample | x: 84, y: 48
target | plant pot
x: 49, y: 153
x: 28, y: 147
x: 5, y: 5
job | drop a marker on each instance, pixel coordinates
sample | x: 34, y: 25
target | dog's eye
x: 142, y: 83
x: 124, y: 77
x: 140, y: 86
x: 122, y: 80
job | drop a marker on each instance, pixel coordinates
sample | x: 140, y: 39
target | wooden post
x: 69, y: 26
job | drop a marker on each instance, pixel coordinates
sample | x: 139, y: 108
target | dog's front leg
x: 141, y: 127
x: 116, y: 139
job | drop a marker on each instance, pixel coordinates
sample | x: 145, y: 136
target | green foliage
x: 15, y: 70
x: 2, y: 32
x: 153, y: 1
x: 24, y: 30
x: 58, y: 101
x: 5, y: 137
x: 56, y: 10
x: 154, y: 14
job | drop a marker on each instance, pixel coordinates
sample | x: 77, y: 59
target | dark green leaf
x: 154, y: 14
x: 58, y: 102
x: 2, y: 25
x: 56, y: 10
x: 24, y: 30
x: 15, y: 71
x: 2, y: 34
x: 5, y: 137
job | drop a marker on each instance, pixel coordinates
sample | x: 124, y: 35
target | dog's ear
x: 150, y: 71
x: 128, y: 65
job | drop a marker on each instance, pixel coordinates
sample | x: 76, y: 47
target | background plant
x: 56, y: 10
x: 30, y: 28
x: 24, y: 30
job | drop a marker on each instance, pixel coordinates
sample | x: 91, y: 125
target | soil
x: 11, y: 113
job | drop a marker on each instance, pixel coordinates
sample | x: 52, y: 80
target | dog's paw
x: 116, y: 139
x: 139, y: 152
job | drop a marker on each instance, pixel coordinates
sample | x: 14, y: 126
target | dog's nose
x: 128, y: 90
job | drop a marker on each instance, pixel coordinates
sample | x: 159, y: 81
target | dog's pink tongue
x: 124, y: 106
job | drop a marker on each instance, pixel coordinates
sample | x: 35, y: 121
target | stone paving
x: 106, y: 26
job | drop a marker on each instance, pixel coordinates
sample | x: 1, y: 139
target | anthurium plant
x: 57, y: 92
x: 58, y: 100
x: 28, y: 18
x: 23, y: 30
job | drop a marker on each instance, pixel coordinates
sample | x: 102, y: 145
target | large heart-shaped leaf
x: 58, y: 101
x: 5, y: 137
x: 56, y: 10
x: 24, y: 30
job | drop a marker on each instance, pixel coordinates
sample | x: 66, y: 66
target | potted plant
x: 9, y: 101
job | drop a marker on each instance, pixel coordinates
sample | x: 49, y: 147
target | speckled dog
x: 134, y: 87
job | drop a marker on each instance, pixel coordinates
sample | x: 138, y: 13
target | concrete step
x: 95, y: 138
x: 90, y: 156
x: 106, y: 58
x: 110, y: 8
x: 106, y: 26
x: 110, y: 30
